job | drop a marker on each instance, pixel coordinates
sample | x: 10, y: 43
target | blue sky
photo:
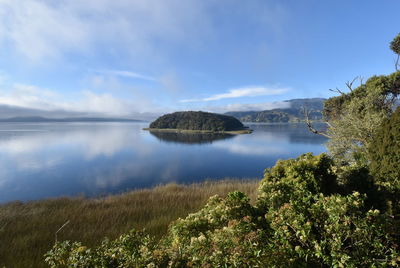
x: 126, y: 57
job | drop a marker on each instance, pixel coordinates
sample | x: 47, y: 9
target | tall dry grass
x: 27, y: 230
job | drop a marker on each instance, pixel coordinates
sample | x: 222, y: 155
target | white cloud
x: 98, y: 103
x: 28, y: 96
x: 88, y: 102
x: 124, y: 73
x: 254, y: 106
x: 242, y: 92
x: 39, y: 29
x: 33, y: 97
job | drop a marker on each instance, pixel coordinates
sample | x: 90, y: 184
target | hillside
x: 284, y: 115
x: 197, y: 121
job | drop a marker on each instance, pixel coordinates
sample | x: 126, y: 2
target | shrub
x: 296, y: 180
x: 332, y: 232
x: 225, y: 232
x: 384, y: 154
x: 302, y: 218
x: 135, y: 249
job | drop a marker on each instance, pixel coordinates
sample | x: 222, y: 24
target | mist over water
x: 44, y: 160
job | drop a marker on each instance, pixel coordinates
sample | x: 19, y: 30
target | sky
x: 136, y: 57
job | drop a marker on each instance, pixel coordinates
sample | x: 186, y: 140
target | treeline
x: 197, y: 121
x: 295, y: 113
x: 340, y: 209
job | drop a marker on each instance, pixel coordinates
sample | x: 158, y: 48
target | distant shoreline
x: 174, y: 130
x: 65, y: 120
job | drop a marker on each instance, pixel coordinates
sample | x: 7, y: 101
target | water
x: 41, y: 160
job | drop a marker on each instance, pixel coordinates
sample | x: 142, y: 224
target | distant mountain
x: 16, y: 113
x: 293, y: 114
x: 39, y: 119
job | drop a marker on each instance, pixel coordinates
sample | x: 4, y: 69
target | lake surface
x: 41, y: 160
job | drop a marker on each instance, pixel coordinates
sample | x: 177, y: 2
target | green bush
x: 384, y: 154
x: 135, y: 249
x: 296, y: 180
x: 302, y: 218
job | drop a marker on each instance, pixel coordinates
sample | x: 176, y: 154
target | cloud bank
x: 238, y: 107
x: 50, y: 103
x: 41, y: 29
x: 32, y: 97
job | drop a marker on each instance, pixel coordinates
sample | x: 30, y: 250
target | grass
x: 175, y: 130
x: 27, y: 230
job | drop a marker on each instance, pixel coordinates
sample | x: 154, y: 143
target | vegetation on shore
x: 198, y: 122
x: 27, y: 229
x: 307, y: 214
x: 336, y: 210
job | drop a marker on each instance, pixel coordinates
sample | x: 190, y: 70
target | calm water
x: 59, y: 159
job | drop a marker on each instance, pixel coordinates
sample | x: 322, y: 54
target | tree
x: 354, y: 117
x: 395, y: 46
x: 384, y: 153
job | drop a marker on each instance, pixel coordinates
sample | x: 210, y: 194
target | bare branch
x: 397, y: 63
x: 361, y: 80
x: 310, y: 126
x: 337, y: 91
x: 350, y: 84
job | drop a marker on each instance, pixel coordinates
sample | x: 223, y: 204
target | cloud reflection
x: 46, y: 160
x: 38, y: 149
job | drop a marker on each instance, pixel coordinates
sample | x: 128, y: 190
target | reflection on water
x: 190, y: 138
x: 295, y: 132
x: 56, y: 159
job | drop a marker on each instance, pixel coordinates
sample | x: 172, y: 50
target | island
x: 198, y: 122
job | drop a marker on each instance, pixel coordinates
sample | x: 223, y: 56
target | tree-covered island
x: 198, y: 122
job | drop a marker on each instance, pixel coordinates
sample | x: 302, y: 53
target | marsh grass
x: 27, y: 230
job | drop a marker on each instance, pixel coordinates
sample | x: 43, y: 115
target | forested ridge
x: 294, y: 113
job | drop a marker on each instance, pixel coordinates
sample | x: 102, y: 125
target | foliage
x: 27, y: 228
x: 302, y: 218
x: 315, y: 223
x: 295, y: 112
x: 355, y: 117
x: 225, y: 232
x: 395, y: 45
x: 384, y: 153
x: 132, y: 250
x: 197, y: 121
x: 296, y: 179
